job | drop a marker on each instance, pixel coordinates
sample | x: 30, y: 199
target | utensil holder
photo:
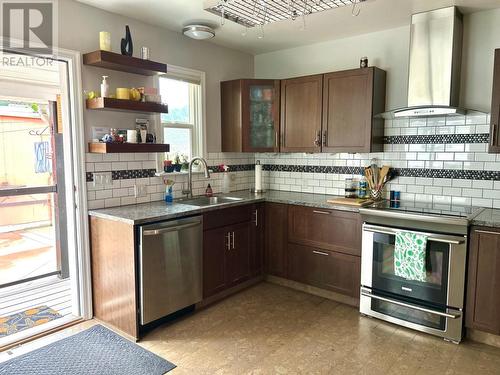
x: 376, y: 195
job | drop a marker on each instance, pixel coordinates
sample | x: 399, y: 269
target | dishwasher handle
x: 157, y: 232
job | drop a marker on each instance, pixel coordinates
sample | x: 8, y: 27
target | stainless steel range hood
x: 434, y: 65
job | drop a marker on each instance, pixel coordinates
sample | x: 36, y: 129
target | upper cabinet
x: 495, y: 107
x: 250, y: 115
x: 301, y: 106
x: 332, y: 112
x: 351, y: 99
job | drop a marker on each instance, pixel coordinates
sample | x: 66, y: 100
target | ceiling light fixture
x: 198, y: 32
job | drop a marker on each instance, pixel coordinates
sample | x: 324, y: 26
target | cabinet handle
x: 320, y: 253
x: 321, y: 212
x: 228, y: 242
x: 493, y: 135
x: 317, y: 140
x: 256, y: 221
x: 324, y: 138
x: 488, y: 232
x: 276, y: 140
x: 233, y: 240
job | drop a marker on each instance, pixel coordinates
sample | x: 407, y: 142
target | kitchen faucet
x: 189, y: 190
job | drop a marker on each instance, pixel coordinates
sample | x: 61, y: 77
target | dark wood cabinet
x: 301, y: 111
x: 215, y: 246
x: 327, y: 270
x: 351, y: 98
x: 331, y: 230
x: 276, y: 219
x: 495, y: 107
x: 257, y: 240
x: 483, y: 297
x: 250, y: 115
x: 232, y: 247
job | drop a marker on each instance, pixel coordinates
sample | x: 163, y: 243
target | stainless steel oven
x: 435, y: 305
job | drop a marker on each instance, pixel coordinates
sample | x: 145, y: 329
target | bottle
x: 209, y: 192
x: 363, y: 188
x: 169, y: 196
x: 104, y: 87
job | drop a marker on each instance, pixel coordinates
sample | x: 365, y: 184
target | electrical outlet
x: 140, y: 191
x: 103, y: 179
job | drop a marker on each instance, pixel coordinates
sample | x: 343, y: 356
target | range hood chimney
x: 434, y: 65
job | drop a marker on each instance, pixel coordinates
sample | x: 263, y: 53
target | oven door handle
x: 437, y: 238
x: 403, y: 304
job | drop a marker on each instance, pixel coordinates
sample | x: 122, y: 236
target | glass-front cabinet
x: 250, y: 115
x: 261, y: 115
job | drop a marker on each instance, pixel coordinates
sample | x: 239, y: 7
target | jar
x: 350, y: 188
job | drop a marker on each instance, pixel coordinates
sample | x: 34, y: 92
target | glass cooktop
x: 427, y: 208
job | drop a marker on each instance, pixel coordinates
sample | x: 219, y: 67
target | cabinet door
x: 260, y: 115
x: 231, y: 126
x: 304, y: 265
x: 301, y: 108
x: 483, y: 298
x: 215, y: 247
x: 276, y: 239
x: 238, y: 255
x: 348, y: 99
x: 495, y: 107
x: 257, y: 241
x: 325, y: 229
x: 342, y: 273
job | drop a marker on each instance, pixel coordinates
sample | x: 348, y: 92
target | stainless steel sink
x: 209, y: 201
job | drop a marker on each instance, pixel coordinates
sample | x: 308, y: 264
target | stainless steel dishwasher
x: 170, y: 263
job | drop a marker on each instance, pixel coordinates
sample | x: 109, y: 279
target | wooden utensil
x: 383, y: 174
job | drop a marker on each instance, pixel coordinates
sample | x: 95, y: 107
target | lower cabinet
x: 483, y: 297
x: 328, y: 270
x: 276, y: 239
x: 232, y: 253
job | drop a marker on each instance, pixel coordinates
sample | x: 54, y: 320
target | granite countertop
x: 156, y: 211
x: 489, y: 217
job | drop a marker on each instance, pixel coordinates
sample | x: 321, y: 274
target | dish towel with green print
x: 409, y: 256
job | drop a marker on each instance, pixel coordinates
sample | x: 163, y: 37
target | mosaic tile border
x: 403, y: 172
x: 143, y: 173
x: 437, y: 139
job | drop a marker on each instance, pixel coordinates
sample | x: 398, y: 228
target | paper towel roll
x: 258, y: 176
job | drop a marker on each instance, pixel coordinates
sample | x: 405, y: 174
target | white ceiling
x: 375, y: 15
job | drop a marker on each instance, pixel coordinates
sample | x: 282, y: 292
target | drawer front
x: 332, y: 230
x: 328, y: 270
x: 227, y: 216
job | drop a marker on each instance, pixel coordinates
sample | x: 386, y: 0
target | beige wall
x: 79, y: 27
x: 389, y: 50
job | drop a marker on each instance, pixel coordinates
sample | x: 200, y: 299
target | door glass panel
x: 262, y: 102
x: 410, y: 315
x: 27, y: 236
x: 433, y: 289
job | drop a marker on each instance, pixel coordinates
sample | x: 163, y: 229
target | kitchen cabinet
x: 232, y: 247
x: 351, y: 99
x: 250, y: 115
x: 483, y: 299
x: 301, y: 112
x: 257, y: 240
x: 276, y: 239
x: 494, y: 146
x: 331, y: 230
x: 327, y: 270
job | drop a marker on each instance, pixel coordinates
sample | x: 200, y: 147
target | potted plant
x: 167, y: 166
x: 177, y: 163
x: 185, y: 163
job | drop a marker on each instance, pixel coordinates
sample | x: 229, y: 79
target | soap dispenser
x: 104, y: 87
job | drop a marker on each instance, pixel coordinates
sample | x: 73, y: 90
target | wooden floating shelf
x: 126, y: 105
x: 110, y: 148
x: 122, y: 63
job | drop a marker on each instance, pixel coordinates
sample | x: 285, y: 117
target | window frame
x: 197, y: 111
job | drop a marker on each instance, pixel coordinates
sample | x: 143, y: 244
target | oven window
x: 432, y: 290
x: 410, y: 315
